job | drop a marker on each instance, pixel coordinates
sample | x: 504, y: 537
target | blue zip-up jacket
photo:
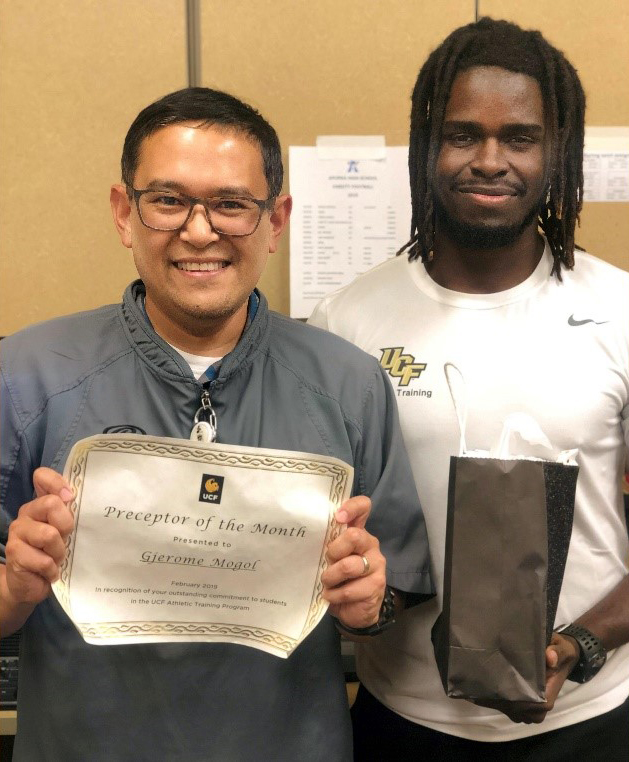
x: 285, y: 385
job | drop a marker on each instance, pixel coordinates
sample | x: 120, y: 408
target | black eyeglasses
x: 169, y: 211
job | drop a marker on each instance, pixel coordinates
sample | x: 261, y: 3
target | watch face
x: 594, y: 664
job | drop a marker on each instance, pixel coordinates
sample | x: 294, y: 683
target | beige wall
x: 74, y: 73
x: 324, y: 68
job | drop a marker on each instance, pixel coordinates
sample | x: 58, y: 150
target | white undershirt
x: 198, y: 363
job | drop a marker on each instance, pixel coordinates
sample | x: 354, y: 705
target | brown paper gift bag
x: 508, y: 531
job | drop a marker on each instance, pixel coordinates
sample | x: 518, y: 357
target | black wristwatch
x: 592, y: 652
x: 385, y: 619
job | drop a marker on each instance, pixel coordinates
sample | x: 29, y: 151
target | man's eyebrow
x: 529, y: 128
x: 236, y: 191
x: 460, y: 125
x: 158, y: 184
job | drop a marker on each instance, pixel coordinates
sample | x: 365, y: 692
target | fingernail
x: 66, y: 495
x: 342, y: 516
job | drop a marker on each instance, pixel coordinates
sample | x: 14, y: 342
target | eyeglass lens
x: 169, y: 211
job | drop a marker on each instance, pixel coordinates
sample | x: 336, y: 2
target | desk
x: 8, y: 722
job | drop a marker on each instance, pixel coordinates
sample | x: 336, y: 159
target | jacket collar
x: 154, y: 350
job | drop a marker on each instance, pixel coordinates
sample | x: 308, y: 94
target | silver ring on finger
x: 366, y: 566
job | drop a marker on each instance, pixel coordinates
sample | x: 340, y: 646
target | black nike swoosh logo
x: 572, y: 321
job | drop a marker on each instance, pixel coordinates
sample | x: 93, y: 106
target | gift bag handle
x: 456, y: 384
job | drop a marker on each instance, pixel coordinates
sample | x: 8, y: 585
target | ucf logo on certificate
x: 178, y: 541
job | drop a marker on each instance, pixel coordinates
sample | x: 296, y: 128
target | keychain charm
x: 203, y: 432
x: 205, y: 427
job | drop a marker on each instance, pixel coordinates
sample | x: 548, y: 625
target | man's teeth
x: 208, y: 266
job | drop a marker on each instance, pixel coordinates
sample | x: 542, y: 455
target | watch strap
x: 592, y: 652
x: 386, y: 617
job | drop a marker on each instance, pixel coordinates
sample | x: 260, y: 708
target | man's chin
x: 470, y: 235
x: 484, y: 237
x: 210, y: 315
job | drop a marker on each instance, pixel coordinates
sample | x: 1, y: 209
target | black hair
x: 489, y: 42
x: 207, y: 107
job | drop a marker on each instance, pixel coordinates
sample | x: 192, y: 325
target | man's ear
x: 279, y: 217
x: 121, y: 210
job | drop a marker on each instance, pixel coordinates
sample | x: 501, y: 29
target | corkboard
x: 74, y: 75
x: 323, y: 68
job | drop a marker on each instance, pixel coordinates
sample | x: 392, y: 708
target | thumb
x: 354, y: 512
x: 552, y: 657
x: 49, y: 482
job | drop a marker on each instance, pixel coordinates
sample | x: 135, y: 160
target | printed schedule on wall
x: 350, y: 213
x: 606, y: 164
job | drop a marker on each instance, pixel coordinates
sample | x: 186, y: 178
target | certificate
x: 178, y: 540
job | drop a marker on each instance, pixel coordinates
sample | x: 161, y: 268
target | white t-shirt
x: 556, y: 350
x: 198, y: 363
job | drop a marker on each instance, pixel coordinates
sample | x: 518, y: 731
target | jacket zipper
x: 205, y: 425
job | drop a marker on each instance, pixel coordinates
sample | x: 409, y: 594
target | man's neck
x: 485, y: 271
x: 209, y: 338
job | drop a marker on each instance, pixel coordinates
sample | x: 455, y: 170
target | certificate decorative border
x: 210, y: 454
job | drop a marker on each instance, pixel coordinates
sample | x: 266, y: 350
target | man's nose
x: 489, y: 159
x: 198, y: 231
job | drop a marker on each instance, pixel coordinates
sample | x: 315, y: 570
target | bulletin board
x: 74, y: 75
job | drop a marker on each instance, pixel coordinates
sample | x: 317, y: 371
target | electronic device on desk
x: 9, y: 658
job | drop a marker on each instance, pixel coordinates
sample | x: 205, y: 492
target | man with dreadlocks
x: 491, y: 281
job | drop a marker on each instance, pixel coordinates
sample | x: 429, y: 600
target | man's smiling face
x: 196, y: 278
x: 491, y: 172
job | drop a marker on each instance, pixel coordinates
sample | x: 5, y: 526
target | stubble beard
x: 200, y: 316
x: 195, y: 318
x: 468, y: 235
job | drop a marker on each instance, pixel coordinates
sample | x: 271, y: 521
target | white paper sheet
x: 349, y: 214
x: 606, y: 164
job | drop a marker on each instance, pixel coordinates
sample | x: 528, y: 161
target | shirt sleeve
x: 319, y: 316
x: 385, y: 475
x: 15, y: 468
x: 624, y: 419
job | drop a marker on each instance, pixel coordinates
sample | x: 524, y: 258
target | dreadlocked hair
x: 488, y: 42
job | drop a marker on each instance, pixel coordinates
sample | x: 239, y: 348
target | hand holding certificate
x: 185, y: 541
x: 36, y: 547
x: 355, y: 581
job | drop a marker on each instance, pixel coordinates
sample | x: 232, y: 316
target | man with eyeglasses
x: 201, y: 208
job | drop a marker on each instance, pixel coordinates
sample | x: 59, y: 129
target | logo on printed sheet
x: 211, y: 489
x: 405, y: 369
